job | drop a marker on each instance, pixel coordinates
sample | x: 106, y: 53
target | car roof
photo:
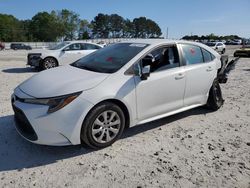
x: 156, y: 42
x: 160, y: 41
x: 79, y: 41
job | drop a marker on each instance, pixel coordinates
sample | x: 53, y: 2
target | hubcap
x: 49, y: 63
x: 106, y: 126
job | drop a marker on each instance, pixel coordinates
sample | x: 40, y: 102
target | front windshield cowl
x: 111, y: 58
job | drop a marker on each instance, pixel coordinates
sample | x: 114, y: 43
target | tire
x: 223, y: 51
x: 95, y: 128
x: 215, y: 100
x: 49, y: 63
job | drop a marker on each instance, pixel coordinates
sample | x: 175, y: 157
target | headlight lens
x: 55, y: 103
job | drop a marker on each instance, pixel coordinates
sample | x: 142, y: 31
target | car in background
x: 2, y: 46
x: 243, y: 52
x: 61, y: 54
x: 20, y: 46
x: 92, y: 100
x: 217, y: 46
x: 102, y: 43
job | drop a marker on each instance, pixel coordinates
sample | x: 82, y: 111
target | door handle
x: 78, y: 52
x: 209, y: 69
x: 179, y: 76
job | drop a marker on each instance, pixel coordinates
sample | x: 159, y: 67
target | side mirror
x: 148, y: 60
x: 145, y: 72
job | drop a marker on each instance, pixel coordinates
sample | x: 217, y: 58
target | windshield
x: 110, y: 59
x: 59, y: 46
x: 210, y: 44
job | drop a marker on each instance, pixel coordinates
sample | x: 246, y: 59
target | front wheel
x: 215, y: 100
x: 49, y: 63
x: 103, y: 125
x: 223, y: 51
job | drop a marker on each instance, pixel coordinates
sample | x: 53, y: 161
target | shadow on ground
x: 20, y: 70
x: 16, y: 153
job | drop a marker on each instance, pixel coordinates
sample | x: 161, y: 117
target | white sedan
x: 217, y: 46
x: 63, y: 53
x: 92, y: 100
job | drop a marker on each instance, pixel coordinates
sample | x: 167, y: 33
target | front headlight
x: 55, y: 103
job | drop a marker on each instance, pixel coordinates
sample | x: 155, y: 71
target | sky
x: 180, y: 17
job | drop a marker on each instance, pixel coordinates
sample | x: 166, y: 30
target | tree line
x: 67, y: 25
x: 211, y: 37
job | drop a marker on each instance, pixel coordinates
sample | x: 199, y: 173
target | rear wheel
x: 103, y: 125
x: 215, y: 100
x: 49, y: 63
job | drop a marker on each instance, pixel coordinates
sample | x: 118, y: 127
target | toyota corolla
x: 94, y: 99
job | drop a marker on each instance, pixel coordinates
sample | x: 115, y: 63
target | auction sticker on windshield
x: 138, y: 45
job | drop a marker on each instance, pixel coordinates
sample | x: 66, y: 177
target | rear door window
x: 206, y: 55
x: 192, y: 54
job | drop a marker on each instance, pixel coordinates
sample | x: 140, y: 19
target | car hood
x: 61, y: 81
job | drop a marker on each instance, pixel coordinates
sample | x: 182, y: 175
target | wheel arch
x: 118, y: 103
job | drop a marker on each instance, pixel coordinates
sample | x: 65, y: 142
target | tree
x: 70, y: 22
x: 84, y: 29
x: 153, y: 30
x: 10, y: 28
x: 128, y: 29
x: 101, y: 26
x: 44, y: 27
x: 146, y: 28
x: 116, y: 25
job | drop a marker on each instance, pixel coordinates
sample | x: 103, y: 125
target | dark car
x: 20, y: 46
x: 2, y: 46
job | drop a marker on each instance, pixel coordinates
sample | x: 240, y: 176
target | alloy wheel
x: 106, y: 126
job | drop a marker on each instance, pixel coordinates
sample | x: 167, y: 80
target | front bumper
x: 34, y: 60
x: 62, y: 127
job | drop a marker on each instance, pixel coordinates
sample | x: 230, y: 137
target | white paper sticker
x: 138, y: 45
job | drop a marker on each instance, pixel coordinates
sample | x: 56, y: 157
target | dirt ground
x: 197, y: 148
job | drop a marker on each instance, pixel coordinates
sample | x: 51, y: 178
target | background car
x: 63, y: 53
x: 243, y: 52
x: 95, y: 98
x: 2, y: 46
x: 20, y: 46
x: 217, y: 46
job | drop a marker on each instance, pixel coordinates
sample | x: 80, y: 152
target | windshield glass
x: 210, y: 44
x: 59, y: 46
x: 110, y: 59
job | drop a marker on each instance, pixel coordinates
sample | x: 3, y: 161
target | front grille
x: 23, y: 125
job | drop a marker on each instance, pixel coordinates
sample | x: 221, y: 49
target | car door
x: 200, y: 70
x: 70, y: 54
x: 163, y: 91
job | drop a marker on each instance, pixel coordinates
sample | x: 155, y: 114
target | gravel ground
x: 197, y: 148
